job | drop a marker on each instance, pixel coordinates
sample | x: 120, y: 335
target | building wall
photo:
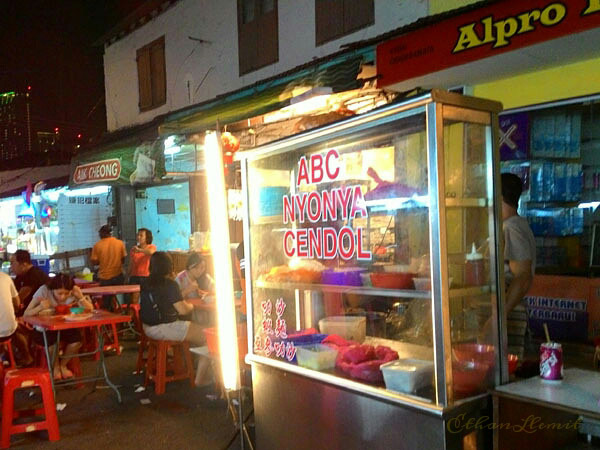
x: 566, y: 81
x: 198, y: 71
x: 170, y: 231
x: 440, y: 6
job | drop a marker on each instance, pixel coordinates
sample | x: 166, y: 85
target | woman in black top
x: 161, y: 304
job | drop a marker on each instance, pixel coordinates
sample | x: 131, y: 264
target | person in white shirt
x: 9, y: 301
x: 519, y: 262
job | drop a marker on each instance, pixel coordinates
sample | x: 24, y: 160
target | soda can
x: 551, y: 361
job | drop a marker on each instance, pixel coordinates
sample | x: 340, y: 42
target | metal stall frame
x: 271, y: 375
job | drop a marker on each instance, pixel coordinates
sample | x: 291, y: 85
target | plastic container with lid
x: 407, y: 375
x: 316, y: 356
x: 474, y: 268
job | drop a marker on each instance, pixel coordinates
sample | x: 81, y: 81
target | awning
x: 130, y: 156
x: 338, y: 73
x: 12, y: 182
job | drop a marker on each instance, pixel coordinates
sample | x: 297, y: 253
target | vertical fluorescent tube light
x: 221, y: 253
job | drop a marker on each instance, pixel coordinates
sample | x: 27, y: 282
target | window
x: 152, y: 75
x: 258, y: 41
x: 336, y: 18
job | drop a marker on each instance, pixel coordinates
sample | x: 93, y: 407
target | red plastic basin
x: 474, y: 352
x: 469, y: 377
x: 392, y: 280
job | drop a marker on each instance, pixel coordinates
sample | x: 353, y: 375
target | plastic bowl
x: 513, y: 361
x: 349, y: 276
x: 469, y: 377
x: 77, y: 310
x: 474, y: 352
x: 392, y: 280
x: 62, y: 309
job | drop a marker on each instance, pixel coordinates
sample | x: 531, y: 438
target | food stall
x: 371, y: 274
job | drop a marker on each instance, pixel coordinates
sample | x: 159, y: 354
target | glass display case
x: 372, y: 246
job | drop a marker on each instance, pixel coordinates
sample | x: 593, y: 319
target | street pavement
x: 182, y: 418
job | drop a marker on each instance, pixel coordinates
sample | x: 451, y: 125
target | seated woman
x: 60, y: 290
x: 195, y: 281
x: 161, y: 304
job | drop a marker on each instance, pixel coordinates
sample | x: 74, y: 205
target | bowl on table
x: 77, y: 310
x: 392, y: 280
x: 62, y: 309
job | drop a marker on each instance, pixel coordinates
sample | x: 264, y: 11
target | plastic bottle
x: 474, y: 270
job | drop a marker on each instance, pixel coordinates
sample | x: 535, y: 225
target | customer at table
x: 109, y: 253
x: 9, y: 303
x: 195, y: 281
x: 139, y: 260
x: 161, y: 304
x: 28, y: 278
x: 59, y: 290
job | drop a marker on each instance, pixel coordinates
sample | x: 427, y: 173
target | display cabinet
x: 373, y: 276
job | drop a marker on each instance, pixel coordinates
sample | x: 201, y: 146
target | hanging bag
x: 149, y: 311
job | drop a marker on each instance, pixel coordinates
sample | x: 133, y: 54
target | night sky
x: 48, y: 45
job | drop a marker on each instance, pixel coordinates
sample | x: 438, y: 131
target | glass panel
x: 339, y: 239
x: 470, y: 237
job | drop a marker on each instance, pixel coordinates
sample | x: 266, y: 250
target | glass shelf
x: 358, y: 290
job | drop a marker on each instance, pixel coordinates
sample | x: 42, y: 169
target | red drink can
x: 551, y: 361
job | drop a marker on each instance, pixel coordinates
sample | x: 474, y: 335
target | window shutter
x: 358, y: 14
x: 159, y: 85
x: 247, y: 38
x: 329, y: 20
x: 144, y: 81
x: 267, y: 42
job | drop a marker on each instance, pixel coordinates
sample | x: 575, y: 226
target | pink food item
x: 337, y: 341
x: 363, y: 361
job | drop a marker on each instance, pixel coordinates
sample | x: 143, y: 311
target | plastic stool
x: 26, y: 378
x: 141, y: 361
x: 157, y: 364
x: 8, y: 346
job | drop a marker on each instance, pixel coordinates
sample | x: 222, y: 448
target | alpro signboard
x: 144, y: 163
x: 481, y: 33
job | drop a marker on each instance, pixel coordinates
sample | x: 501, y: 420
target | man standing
x: 109, y: 253
x: 519, y: 262
x: 28, y: 279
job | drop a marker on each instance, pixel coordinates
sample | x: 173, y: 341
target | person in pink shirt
x: 139, y: 260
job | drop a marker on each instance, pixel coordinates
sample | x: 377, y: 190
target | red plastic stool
x: 162, y: 370
x: 25, y: 378
x: 8, y: 347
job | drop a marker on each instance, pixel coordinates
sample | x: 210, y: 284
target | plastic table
x: 112, y: 290
x: 57, y: 323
